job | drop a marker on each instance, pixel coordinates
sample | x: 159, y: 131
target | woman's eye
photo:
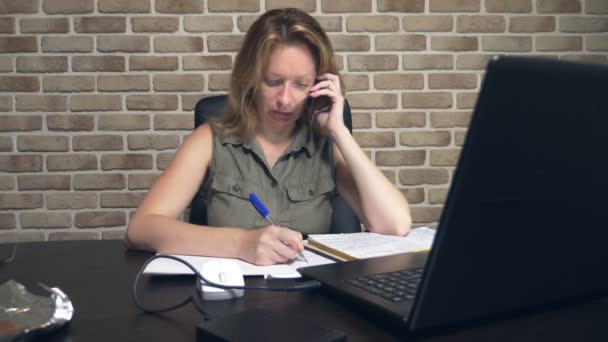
x: 272, y: 83
x: 302, y: 85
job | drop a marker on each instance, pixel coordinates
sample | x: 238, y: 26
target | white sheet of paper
x: 163, y: 266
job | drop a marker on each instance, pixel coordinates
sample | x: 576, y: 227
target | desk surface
x: 98, y: 275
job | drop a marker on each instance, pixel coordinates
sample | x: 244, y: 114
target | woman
x: 284, y: 77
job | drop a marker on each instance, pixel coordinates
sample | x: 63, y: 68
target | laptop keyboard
x: 394, y: 286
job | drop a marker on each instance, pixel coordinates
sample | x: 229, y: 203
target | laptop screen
x: 524, y: 222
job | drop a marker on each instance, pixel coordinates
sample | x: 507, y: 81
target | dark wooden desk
x: 98, y: 275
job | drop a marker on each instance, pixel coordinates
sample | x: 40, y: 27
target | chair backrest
x: 343, y: 219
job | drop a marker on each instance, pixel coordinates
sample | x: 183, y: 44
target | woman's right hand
x: 271, y: 245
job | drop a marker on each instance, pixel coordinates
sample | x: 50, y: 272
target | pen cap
x: 258, y: 205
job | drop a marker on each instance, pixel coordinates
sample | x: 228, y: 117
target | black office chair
x: 343, y: 219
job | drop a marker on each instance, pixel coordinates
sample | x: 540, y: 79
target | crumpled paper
x: 23, y: 314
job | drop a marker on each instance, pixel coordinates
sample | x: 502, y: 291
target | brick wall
x: 95, y: 96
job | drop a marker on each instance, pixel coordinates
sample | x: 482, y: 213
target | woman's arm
x: 155, y: 225
x: 377, y: 202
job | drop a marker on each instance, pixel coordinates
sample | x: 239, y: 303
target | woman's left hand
x: 329, y: 85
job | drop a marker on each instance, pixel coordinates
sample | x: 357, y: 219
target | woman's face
x: 289, y: 75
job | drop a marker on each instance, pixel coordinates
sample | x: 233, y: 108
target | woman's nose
x: 285, y: 95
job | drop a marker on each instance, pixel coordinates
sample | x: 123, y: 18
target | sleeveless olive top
x: 297, y: 190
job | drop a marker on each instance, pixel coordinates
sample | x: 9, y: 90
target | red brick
x: 151, y: 102
x: 179, y: 44
x: 67, y: 44
x: 98, y: 142
x: 71, y: 200
x: 98, y: 63
x: 426, y: 100
x: 97, y: 181
x: 42, y: 64
x: 152, y: 63
x: 67, y: 6
x: 480, y: 24
x: 95, y: 103
x: 400, y: 119
x: 215, y: 23
x: 305, y: 5
x: 224, y: 43
x: 44, y: 182
x: 121, y: 199
x: 35, y: 103
x: 398, y: 81
x: 428, y: 23
x: 507, y: 43
x: 400, y: 158
x: 218, y: 62
x: 72, y: 122
x: 427, y: 62
x: 454, y: 6
x: 454, y: 43
x: 71, y: 162
x: 105, y: 24
x: 375, y: 139
x: 173, y: 122
x: 155, y: 24
x: 400, y: 42
x: 142, y: 181
x: 18, y: 44
x: 152, y: 141
x: 180, y: 6
x: 123, y: 122
x: 24, y: 123
x: 19, y: 84
x: 123, y: 6
x: 7, y: 221
x: 68, y: 83
x: 404, y: 6
x: 373, y: 62
x: 438, y: 195
x: 126, y: 161
x: 42, y: 143
x: 357, y: 6
x: 425, y: 214
x: 450, y: 119
x: 20, y: 201
x: 372, y: 23
x: 6, y: 145
x: 452, y: 81
x: 372, y: 100
x: 7, y: 25
x: 98, y: 219
x: 344, y: 43
x: 44, y: 25
x: 531, y: 24
x: 444, y: 157
x: 424, y: 138
x: 179, y: 83
x: 123, y: 43
x: 45, y: 220
x: 21, y: 6
x: 353, y: 82
x: 423, y: 176
x: 511, y: 6
x: 558, y: 6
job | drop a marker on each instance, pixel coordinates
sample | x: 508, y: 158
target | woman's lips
x: 282, y: 116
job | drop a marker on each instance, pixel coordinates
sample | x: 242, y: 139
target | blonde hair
x: 278, y: 26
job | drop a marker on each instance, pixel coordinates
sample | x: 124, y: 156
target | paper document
x: 163, y: 266
x: 353, y: 246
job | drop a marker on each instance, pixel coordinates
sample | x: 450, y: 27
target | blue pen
x: 261, y: 208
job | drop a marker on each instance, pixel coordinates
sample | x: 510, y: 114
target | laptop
x: 524, y: 225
